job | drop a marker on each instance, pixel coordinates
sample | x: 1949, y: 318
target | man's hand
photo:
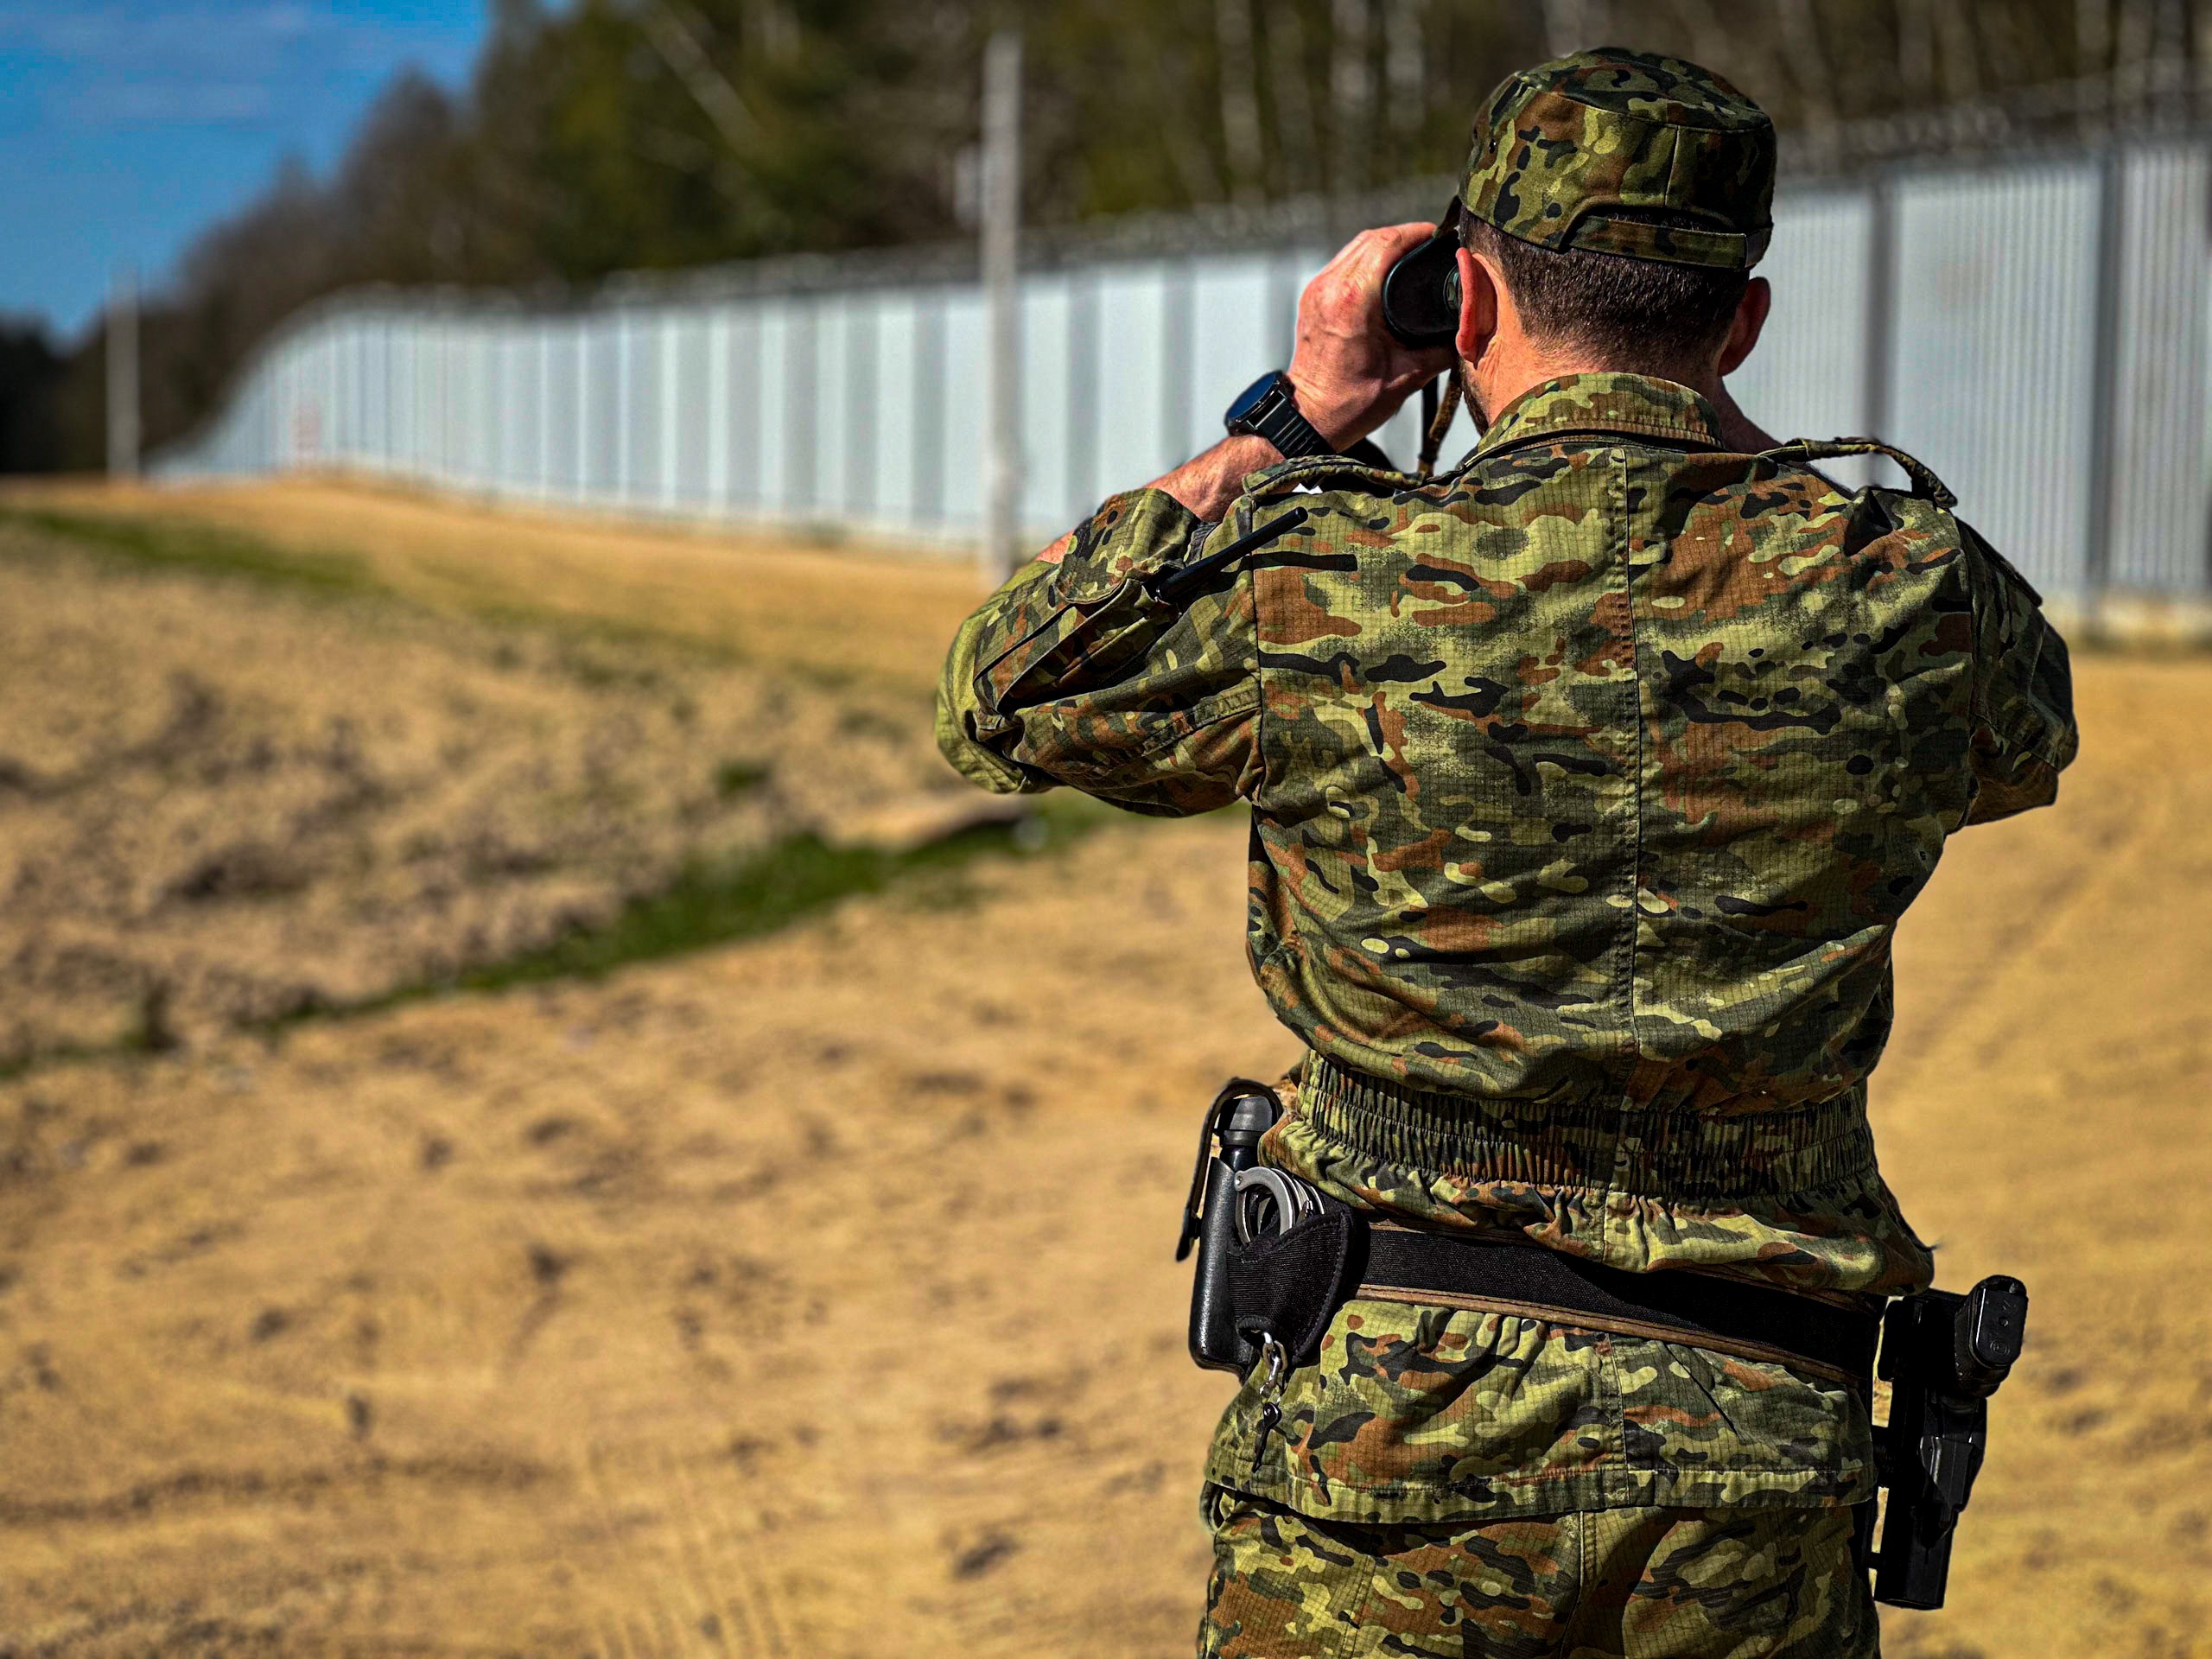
x: 1350, y: 373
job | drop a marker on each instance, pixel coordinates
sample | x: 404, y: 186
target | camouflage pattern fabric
x: 1589, y: 785
x: 1425, y: 1415
x: 1557, y: 145
x: 1590, y: 782
x: 1623, y: 1583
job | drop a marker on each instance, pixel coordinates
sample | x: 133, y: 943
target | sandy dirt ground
x: 812, y: 1295
x: 223, y: 805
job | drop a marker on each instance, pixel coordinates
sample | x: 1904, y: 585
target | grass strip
x: 706, y: 906
x: 710, y: 904
x: 182, y: 544
x: 185, y: 545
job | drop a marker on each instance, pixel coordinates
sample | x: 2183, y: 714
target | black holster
x: 1284, y: 1284
x: 1943, y: 1356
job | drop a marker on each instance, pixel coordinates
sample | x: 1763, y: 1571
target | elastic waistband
x: 1649, y: 1150
x: 1705, y: 1310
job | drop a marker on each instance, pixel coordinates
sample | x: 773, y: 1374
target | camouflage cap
x: 1559, y: 144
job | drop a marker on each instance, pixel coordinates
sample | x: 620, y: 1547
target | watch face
x: 1249, y: 400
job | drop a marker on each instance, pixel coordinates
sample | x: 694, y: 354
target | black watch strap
x: 1270, y: 410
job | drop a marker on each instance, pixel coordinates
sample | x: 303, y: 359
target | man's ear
x: 1750, y: 319
x: 1479, y: 307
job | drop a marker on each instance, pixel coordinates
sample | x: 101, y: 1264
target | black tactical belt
x: 1278, y: 1259
x: 1702, y: 1310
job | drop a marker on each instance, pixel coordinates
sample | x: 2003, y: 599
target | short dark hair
x: 1632, y: 311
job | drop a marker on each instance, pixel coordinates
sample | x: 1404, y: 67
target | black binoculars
x: 1421, y: 292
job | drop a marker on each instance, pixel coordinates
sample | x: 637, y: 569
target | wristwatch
x: 1269, y: 408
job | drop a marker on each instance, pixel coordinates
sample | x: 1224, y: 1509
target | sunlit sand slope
x: 811, y: 1295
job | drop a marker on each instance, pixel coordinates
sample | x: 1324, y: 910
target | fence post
x: 1874, y: 391
x: 2203, y: 231
x: 123, y: 375
x: 2104, y: 387
x: 1001, y: 257
x: 1175, y: 335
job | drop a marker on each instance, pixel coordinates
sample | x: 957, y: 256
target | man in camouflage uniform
x: 1589, y: 783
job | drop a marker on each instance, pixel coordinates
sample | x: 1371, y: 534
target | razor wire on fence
x: 2035, y: 329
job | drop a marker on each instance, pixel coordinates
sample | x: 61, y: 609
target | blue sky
x: 126, y: 125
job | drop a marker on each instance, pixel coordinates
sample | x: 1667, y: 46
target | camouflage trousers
x: 1626, y: 1584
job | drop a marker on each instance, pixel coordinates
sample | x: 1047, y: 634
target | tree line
x: 604, y: 135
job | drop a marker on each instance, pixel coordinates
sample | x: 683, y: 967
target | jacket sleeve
x: 2023, y: 732
x: 1081, y: 673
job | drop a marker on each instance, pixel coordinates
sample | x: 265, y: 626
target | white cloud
x: 116, y: 103
x: 195, y: 63
x: 116, y: 36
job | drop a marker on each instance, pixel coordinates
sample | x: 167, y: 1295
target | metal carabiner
x: 1275, y: 1359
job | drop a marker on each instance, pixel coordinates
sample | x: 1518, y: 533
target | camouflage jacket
x: 1589, y: 783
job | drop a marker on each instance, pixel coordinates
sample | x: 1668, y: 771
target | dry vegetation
x: 240, y: 785
x: 810, y: 1295
x: 849, y: 615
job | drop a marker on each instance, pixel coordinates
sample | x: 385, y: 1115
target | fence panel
x: 1047, y: 324
x: 1233, y: 338
x: 1807, y: 377
x: 2039, y: 332
x: 1996, y: 319
x: 896, y: 395
x: 834, y: 411
x: 1129, y: 344
x: 2162, y: 485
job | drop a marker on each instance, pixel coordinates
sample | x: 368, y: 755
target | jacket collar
x: 1638, y: 403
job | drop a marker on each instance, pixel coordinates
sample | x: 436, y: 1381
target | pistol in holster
x: 1943, y: 1355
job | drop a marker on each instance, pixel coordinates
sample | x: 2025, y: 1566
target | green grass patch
x: 735, y: 778
x: 182, y: 545
x: 150, y: 1034
x: 709, y: 905
x: 185, y: 546
x: 578, y: 626
x: 706, y: 906
x: 446, y: 590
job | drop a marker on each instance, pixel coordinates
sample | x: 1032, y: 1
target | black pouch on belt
x: 1289, y: 1284
x: 1276, y: 1257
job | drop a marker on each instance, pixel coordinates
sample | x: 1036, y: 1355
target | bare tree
x: 1564, y: 27
x: 1917, y: 48
x: 1164, y: 80
x: 1961, y: 72
x: 1351, y: 89
x: 1293, y: 99
x: 675, y: 38
x: 2131, y: 51
x: 1240, y: 103
x: 1405, y: 65
x: 1712, y: 41
x: 769, y: 28
x: 2092, y: 37
x: 1808, y: 61
x: 2007, y: 61
x: 2171, y: 50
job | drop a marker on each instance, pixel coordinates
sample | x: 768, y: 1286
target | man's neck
x: 1499, y: 383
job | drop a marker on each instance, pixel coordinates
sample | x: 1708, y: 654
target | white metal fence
x: 2037, y: 331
